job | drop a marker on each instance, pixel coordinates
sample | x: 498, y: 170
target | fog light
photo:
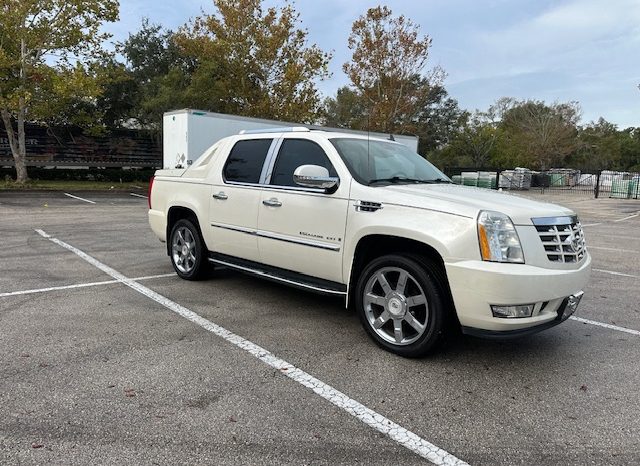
x: 513, y: 312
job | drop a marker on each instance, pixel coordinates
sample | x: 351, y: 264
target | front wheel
x: 400, y: 305
x: 188, y: 253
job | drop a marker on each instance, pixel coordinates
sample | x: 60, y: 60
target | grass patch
x: 72, y: 185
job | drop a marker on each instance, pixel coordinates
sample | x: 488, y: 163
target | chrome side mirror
x: 315, y: 176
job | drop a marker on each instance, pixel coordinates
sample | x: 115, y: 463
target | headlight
x: 498, y: 238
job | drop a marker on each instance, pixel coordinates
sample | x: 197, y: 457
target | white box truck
x: 188, y: 133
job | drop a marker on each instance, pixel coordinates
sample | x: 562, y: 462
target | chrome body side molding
x: 280, y: 237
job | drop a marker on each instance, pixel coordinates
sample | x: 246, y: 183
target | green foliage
x: 347, y: 110
x: 537, y: 135
x: 386, y: 69
x: 44, y: 46
x: 255, y: 62
x: 47, y: 48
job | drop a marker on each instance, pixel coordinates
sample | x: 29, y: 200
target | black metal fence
x: 566, y: 182
x: 72, y: 147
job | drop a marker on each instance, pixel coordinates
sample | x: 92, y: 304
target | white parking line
x: 628, y: 217
x: 613, y: 249
x: 80, y: 285
x: 369, y: 417
x: 591, y: 224
x: 79, y: 198
x: 619, y: 274
x: 139, y: 195
x: 609, y: 326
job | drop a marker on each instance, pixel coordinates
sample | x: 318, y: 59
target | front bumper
x: 476, y: 285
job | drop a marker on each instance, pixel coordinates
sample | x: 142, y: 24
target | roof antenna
x: 368, y: 138
x: 391, y: 138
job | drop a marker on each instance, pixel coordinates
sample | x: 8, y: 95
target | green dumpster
x: 556, y: 179
x: 620, y: 189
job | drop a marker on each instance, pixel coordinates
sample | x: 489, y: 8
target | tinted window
x: 245, y: 160
x: 371, y: 160
x: 296, y: 152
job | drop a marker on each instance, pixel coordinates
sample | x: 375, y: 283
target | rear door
x: 235, y: 199
x: 302, y: 229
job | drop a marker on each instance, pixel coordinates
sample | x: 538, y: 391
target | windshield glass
x: 373, y: 162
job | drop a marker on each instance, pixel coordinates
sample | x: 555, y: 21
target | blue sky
x: 584, y: 50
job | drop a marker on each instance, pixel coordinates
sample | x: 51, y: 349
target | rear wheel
x: 400, y: 304
x: 188, y: 254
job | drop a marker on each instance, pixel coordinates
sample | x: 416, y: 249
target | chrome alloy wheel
x: 183, y: 250
x: 396, y: 306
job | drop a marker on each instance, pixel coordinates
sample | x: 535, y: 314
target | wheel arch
x: 372, y: 246
x: 179, y: 212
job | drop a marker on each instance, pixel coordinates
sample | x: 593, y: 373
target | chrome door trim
x: 225, y: 226
x: 296, y: 240
x: 264, y: 274
x: 267, y: 167
x: 279, y: 237
x: 270, y: 162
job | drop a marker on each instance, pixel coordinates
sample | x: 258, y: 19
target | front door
x: 301, y: 229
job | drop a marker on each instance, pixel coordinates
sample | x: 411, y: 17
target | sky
x: 563, y: 50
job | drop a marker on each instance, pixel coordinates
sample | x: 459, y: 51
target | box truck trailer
x: 188, y: 133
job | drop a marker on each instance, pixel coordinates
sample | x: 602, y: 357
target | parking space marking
x: 366, y: 415
x: 618, y: 274
x: 80, y: 285
x: 609, y: 326
x: 139, y: 195
x: 627, y: 217
x: 613, y: 249
x: 79, y: 198
x: 591, y: 224
x: 617, y: 236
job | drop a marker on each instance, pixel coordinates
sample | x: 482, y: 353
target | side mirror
x: 315, y: 176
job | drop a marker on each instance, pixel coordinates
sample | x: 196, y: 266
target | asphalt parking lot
x: 95, y: 370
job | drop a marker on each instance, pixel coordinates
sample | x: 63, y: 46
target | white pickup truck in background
x: 369, y: 220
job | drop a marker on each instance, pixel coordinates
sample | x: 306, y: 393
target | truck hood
x: 469, y: 201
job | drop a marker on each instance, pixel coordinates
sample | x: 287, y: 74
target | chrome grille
x: 562, y: 238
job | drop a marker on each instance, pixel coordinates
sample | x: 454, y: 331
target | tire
x: 400, y: 303
x: 187, y: 251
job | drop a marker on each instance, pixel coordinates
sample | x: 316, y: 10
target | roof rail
x: 286, y: 129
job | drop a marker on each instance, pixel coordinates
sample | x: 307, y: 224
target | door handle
x: 221, y: 195
x: 273, y: 202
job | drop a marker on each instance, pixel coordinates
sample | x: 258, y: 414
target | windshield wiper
x: 396, y: 179
x: 400, y: 179
x: 438, y: 181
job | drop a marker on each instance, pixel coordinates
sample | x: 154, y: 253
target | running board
x: 277, y: 274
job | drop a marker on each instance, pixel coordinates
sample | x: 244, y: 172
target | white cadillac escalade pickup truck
x: 375, y: 223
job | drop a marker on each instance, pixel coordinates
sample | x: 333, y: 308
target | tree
x: 44, y: 45
x: 387, y: 67
x: 158, y: 74
x: 347, y: 110
x: 438, y: 120
x: 474, y: 144
x: 258, y: 62
x: 600, y: 145
x: 542, y: 135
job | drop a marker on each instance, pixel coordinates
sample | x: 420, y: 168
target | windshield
x: 373, y: 162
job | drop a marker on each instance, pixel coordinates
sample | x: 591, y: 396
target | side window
x: 246, y: 160
x: 296, y: 152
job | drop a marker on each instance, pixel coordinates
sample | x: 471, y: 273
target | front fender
x: 454, y: 237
